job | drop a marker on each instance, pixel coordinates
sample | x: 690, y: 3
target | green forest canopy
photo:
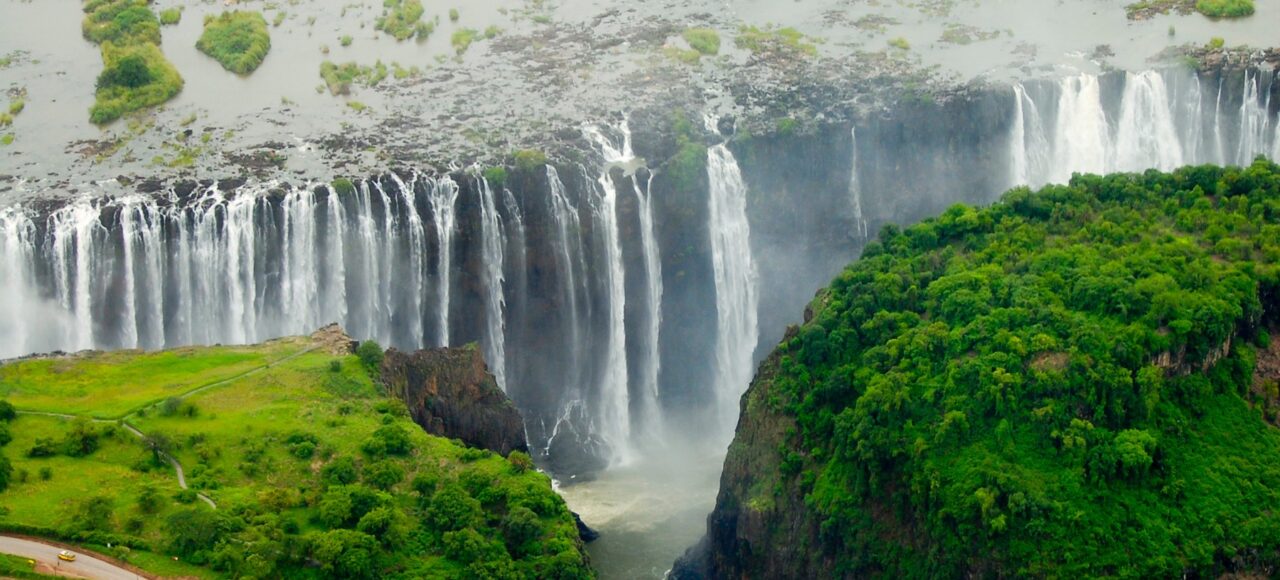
x: 1043, y: 387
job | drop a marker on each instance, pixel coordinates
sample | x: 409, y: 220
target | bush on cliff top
x: 1045, y: 387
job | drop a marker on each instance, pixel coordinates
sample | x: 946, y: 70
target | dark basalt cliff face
x: 451, y: 393
x: 757, y: 538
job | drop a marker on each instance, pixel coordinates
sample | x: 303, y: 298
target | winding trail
x: 177, y: 466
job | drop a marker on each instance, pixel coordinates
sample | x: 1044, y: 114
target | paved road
x: 84, y: 566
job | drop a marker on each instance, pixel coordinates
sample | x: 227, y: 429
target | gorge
x: 591, y: 298
x: 618, y: 221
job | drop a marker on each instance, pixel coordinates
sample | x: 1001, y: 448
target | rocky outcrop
x: 451, y: 393
x: 334, y: 340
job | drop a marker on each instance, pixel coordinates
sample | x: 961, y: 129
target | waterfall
x: 649, y: 364
x: 74, y: 228
x: 615, y: 397
x: 1146, y: 136
x: 494, y: 263
x: 1081, y: 132
x: 335, y: 303
x: 1154, y: 128
x: 1254, y: 109
x: 855, y: 187
x: 16, y: 246
x: 443, y: 199
x: 567, y: 238
x: 735, y: 282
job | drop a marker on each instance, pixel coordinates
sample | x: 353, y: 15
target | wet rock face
x: 451, y: 393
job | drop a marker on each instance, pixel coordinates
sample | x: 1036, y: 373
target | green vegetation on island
x: 238, y: 40
x: 775, y: 41
x: 135, y: 74
x: 338, y: 78
x: 1225, y: 8
x: 1212, y: 8
x: 402, y: 19
x: 314, y: 472
x: 1069, y: 383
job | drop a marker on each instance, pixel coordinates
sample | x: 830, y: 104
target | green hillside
x: 1060, y: 385
x: 314, y: 473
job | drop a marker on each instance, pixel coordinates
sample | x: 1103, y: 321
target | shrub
x: 82, y: 440
x: 7, y: 412
x: 704, y: 40
x: 520, y: 461
x: 387, y: 440
x: 238, y: 40
x: 186, y: 496
x: 370, y: 354
x: 123, y: 87
x: 148, y: 499
x: 338, y: 78
x: 171, y: 16
x: 496, y: 176
x: 1225, y: 8
x: 46, y: 473
x: 383, y: 474
x: 43, y: 447
x: 453, y: 15
x: 452, y: 508
x: 343, y: 186
x: 120, y: 22
x: 345, y: 553
x: 5, y: 436
x: 462, y: 39
x: 340, y: 471
x: 6, y: 472
x: 785, y: 41
x: 528, y: 160
x: 401, y: 19
x: 520, y: 527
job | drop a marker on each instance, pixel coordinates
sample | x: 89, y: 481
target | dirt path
x: 177, y: 466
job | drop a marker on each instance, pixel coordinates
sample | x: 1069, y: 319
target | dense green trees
x: 1057, y: 385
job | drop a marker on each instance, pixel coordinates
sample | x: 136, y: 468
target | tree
x: 130, y: 71
x: 93, y: 514
x: 340, y: 471
x: 388, y: 440
x: 345, y: 553
x: 370, y: 354
x: 383, y: 474
x: 193, y: 530
x: 6, y: 472
x: 452, y: 508
x: 519, y: 527
x: 7, y: 412
x: 82, y: 440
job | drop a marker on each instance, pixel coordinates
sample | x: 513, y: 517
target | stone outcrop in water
x: 451, y: 393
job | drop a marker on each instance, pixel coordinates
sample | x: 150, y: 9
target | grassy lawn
x: 265, y: 444
x: 112, y: 384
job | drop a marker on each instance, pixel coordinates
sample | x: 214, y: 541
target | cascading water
x: 615, y: 397
x: 855, y: 186
x: 492, y: 245
x: 443, y: 196
x: 735, y: 281
x: 1164, y: 119
x: 646, y: 392
x: 562, y: 281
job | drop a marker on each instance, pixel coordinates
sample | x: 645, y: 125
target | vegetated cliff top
x: 314, y: 471
x: 1062, y: 384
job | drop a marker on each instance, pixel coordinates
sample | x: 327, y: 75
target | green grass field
x: 260, y: 430
x: 110, y: 385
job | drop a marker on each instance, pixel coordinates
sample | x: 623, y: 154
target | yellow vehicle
x: 67, y: 556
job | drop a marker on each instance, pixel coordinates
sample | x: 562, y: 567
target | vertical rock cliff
x: 451, y: 393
